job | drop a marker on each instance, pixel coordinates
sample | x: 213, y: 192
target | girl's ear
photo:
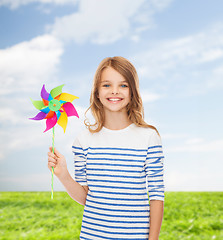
x: 97, y: 94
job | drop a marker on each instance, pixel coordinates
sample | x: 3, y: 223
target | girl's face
x: 113, y: 92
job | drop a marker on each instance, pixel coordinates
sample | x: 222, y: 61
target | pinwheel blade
x: 44, y: 93
x: 70, y: 109
x: 57, y: 97
x: 61, y: 101
x: 63, y: 121
x: 39, y: 116
x: 45, y: 102
x: 50, y: 114
x: 45, y: 110
x: 51, y: 122
x: 56, y: 91
x: 37, y: 104
x: 67, y: 97
x: 58, y: 113
x: 50, y: 97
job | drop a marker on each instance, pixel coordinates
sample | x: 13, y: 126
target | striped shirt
x: 119, y: 167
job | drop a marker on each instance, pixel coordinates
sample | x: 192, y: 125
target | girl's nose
x: 115, y: 90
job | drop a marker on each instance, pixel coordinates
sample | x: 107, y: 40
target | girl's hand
x: 58, y: 161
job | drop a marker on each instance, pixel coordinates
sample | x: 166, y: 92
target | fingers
x: 56, y: 152
x: 52, y: 160
x: 51, y: 155
x: 55, y: 159
x: 50, y: 165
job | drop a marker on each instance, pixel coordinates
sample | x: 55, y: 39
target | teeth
x: 114, y: 99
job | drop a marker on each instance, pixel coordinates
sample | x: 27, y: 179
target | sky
x: 177, y: 50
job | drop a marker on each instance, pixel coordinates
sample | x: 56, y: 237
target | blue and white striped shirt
x: 120, y: 167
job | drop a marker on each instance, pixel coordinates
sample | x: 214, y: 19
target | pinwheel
x: 55, y: 107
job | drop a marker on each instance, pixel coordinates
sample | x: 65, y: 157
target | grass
x: 33, y: 215
x: 193, y: 215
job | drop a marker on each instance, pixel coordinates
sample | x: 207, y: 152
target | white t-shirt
x: 120, y: 167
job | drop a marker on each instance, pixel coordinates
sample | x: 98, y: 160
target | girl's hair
x: 135, y: 109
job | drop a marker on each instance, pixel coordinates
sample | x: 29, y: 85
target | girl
x: 118, y: 160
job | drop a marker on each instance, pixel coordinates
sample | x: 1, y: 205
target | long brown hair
x: 135, y: 109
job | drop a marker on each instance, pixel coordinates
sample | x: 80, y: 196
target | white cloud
x: 102, y: 22
x: 215, y: 80
x: 25, y: 65
x: 13, y: 4
x: 98, y: 20
x: 194, y: 141
x: 211, y: 55
x: 149, y: 97
x: 160, y: 4
x: 7, y: 115
x: 31, y: 182
x: 189, y: 60
x: 203, y: 179
x: 198, y: 145
x: 174, y: 136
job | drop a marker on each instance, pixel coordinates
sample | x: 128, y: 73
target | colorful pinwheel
x: 55, y: 107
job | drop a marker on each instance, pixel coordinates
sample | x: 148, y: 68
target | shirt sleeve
x: 154, y: 168
x: 79, y: 163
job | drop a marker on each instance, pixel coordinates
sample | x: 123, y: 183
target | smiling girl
x: 118, y: 161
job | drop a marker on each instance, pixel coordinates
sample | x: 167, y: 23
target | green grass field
x: 33, y: 215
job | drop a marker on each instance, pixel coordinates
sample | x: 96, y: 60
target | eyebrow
x: 109, y: 81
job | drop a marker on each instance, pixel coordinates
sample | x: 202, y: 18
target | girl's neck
x: 116, y: 121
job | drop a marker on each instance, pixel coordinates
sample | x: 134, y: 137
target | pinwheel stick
x: 52, y: 172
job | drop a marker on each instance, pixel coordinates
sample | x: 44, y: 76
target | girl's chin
x: 116, y: 109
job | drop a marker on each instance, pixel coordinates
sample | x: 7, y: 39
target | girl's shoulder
x: 147, y: 131
x: 149, y: 134
x: 82, y: 137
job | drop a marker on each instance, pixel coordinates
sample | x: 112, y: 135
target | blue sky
x: 177, y: 49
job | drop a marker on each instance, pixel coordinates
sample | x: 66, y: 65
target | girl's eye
x: 123, y: 85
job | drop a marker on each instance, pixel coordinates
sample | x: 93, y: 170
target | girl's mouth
x: 114, y: 100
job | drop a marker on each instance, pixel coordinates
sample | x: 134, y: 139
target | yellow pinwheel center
x: 54, y: 105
